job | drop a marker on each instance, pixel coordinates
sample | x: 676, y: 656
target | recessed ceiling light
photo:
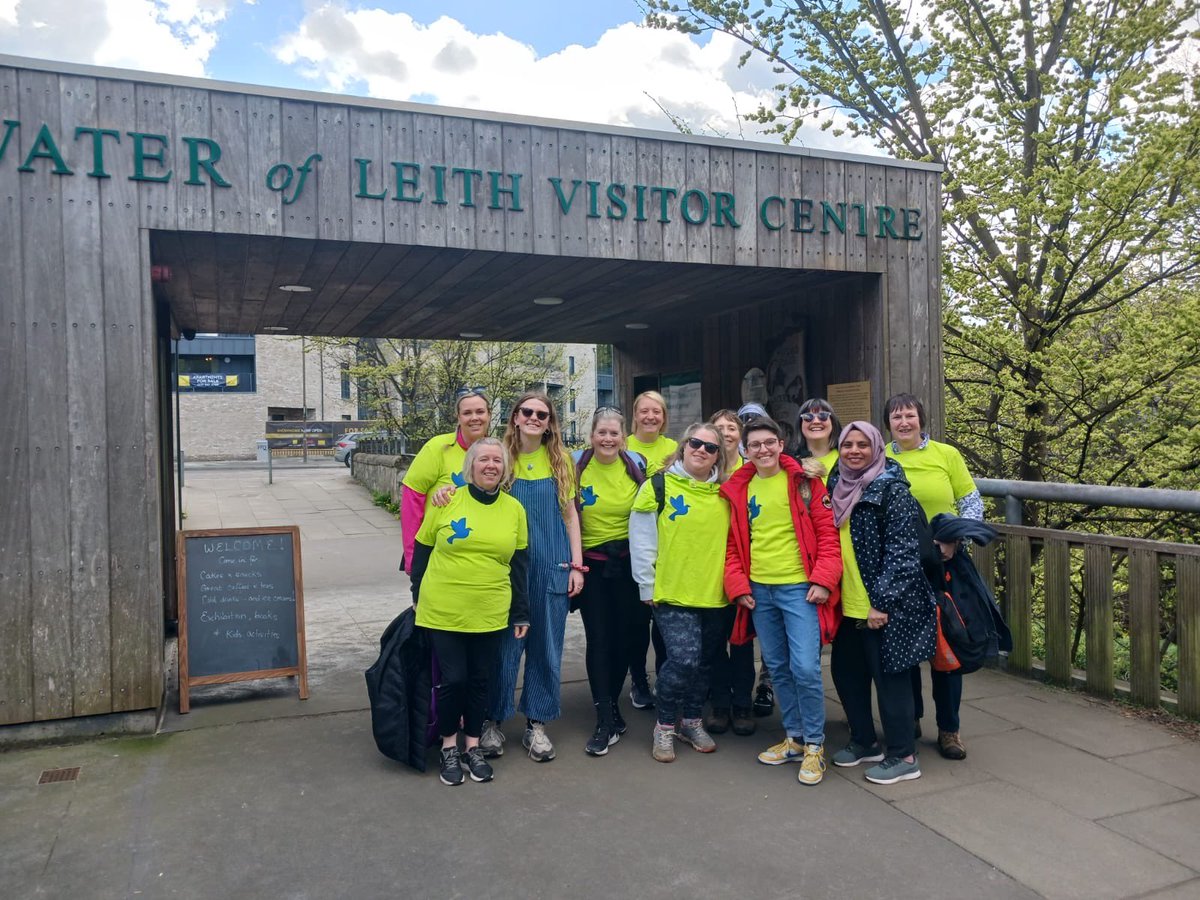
x: 296, y: 288
x: 274, y: 328
x: 470, y: 334
x: 547, y: 301
x: 636, y: 326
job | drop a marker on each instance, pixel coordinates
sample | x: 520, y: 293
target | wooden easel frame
x: 299, y: 671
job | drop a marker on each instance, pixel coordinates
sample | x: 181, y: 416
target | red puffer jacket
x: 820, y: 547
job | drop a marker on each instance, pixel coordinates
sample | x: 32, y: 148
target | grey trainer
x: 692, y: 731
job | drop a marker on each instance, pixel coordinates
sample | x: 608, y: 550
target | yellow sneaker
x: 812, y: 767
x: 787, y: 750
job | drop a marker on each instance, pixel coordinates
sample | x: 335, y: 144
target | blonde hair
x: 722, y: 453
x: 657, y: 398
x: 603, y: 414
x: 468, y: 470
x: 560, y: 462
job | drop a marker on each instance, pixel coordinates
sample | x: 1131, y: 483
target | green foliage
x: 384, y: 500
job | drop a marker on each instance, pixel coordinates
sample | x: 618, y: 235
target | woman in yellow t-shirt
x: 470, y: 572
x: 649, y: 438
x: 818, y: 427
x: 439, y: 463
x: 608, y: 477
x: 678, y: 555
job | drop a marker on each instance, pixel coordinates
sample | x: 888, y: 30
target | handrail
x: 1092, y: 494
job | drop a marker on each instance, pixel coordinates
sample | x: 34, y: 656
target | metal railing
x: 387, y: 446
x: 1078, y: 598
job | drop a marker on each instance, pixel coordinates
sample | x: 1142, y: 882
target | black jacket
x: 399, y: 685
x: 987, y: 633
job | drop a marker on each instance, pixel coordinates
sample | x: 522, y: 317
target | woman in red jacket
x: 783, y: 561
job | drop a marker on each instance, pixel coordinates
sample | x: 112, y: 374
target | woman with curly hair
x: 544, y: 483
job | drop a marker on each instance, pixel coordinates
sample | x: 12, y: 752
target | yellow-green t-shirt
x: 536, y: 465
x: 774, y: 548
x: 438, y: 463
x: 937, y: 474
x: 606, y: 495
x: 656, y: 453
x: 855, y: 602
x: 734, y: 464
x: 692, y: 531
x: 466, y: 586
x: 829, y: 460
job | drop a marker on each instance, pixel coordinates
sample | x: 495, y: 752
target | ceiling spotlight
x: 547, y: 301
x: 636, y: 326
x: 469, y: 335
x: 296, y: 288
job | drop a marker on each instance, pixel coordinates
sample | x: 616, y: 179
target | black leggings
x: 466, y: 661
x: 855, y: 663
x: 732, y: 676
x: 605, y: 605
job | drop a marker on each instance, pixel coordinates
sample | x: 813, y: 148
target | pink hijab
x: 851, y: 483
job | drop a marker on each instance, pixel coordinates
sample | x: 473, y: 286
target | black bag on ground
x: 399, y: 686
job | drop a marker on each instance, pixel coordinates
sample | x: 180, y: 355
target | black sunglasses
x: 540, y: 414
x: 823, y: 416
x: 695, y: 443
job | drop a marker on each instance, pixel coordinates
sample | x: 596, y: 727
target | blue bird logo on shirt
x: 460, y: 529
x: 679, y: 506
x: 587, y: 496
x: 457, y: 480
x: 754, y: 508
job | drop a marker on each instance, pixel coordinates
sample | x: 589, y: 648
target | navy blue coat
x: 885, y: 529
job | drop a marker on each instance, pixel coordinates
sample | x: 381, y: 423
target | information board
x: 241, y: 607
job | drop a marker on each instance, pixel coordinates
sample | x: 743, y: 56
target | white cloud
x: 174, y: 36
x: 622, y: 79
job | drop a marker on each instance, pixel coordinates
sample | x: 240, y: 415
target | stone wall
x: 380, y: 473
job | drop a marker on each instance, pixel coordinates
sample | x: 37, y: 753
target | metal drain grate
x: 53, y: 776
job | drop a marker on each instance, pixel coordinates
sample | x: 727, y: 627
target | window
x: 570, y: 365
x: 572, y: 401
x: 346, y: 381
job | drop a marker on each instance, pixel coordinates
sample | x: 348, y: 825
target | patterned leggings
x: 692, y: 637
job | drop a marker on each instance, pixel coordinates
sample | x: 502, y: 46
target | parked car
x: 344, y: 447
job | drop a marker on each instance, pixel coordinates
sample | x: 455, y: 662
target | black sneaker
x: 641, y: 696
x: 479, y: 767
x: 764, y: 700
x: 601, y: 740
x: 451, y: 772
x: 618, y: 722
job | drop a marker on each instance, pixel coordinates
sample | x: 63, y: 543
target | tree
x: 411, y: 385
x: 1070, y: 138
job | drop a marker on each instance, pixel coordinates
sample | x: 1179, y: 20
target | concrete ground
x: 258, y: 794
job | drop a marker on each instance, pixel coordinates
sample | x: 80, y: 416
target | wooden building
x: 136, y: 207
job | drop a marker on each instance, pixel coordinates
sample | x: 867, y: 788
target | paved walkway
x: 257, y: 794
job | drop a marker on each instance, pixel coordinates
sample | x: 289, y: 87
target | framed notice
x: 851, y: 400
x: 241, y: 607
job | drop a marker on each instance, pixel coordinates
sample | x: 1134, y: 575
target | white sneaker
x: 537, y: 742
x: 491, y: 741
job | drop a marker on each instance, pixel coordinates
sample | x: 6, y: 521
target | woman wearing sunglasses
x: 439, y: 463
x: 544, y: 483
x: 677, y: 546
x: 608, y: 477
x: 818, y: 427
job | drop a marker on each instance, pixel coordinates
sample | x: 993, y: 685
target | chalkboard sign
x: 241, y: 607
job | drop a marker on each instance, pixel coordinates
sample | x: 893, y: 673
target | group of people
x: 699, y: 546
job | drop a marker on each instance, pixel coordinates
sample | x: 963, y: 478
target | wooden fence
x: 1104, y: 576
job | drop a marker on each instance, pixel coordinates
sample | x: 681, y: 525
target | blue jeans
x: 789, y: 635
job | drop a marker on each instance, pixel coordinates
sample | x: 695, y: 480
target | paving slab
x: 1178, y: 765
x: 1042, y: 846
x: 1072, y: 719
x: 1172, y: 830
x: 1188, y: 890
x: 1073, y: 779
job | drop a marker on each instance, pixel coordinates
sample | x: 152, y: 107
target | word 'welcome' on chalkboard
x: 241, y: 607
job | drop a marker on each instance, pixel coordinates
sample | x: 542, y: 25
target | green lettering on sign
x: 617, y: 207
x: 208, y: 162
x: 665, y: 194
x: 362, y: 192
x: 98, y: 136
x: 141, y: 153
x: 10, y: 125
x: 724, y: 210
x: 44, y: 148
x: 828, y: 215
x: 685, y: 209
x: 564, y: 202
x: 403, y: 181
x: 513, y: 192
x: 468, y: 184
x: 886, y: 216
x: 912, y: 224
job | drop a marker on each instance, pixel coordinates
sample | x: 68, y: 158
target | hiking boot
x: 451, y: 772
x: 618, y: 720
x: 893, y: 769
x: 812, y: 767
x: 743, y: 721
x: 764, y: 700
x: 663, y: 748
x: 491, y: 741
x: 602, y: 738
x: 717, y: 720
x: 479, y: 767
x: 787, y: 750
x: 537, y: 742
x: 950, y: 745
x: 640, y: 695
x: 853, y: 754
x: 692, y: 731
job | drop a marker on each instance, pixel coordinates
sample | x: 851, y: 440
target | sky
x: 588, y: 62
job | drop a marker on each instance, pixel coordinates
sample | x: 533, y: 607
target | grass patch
x: 384, y: 500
